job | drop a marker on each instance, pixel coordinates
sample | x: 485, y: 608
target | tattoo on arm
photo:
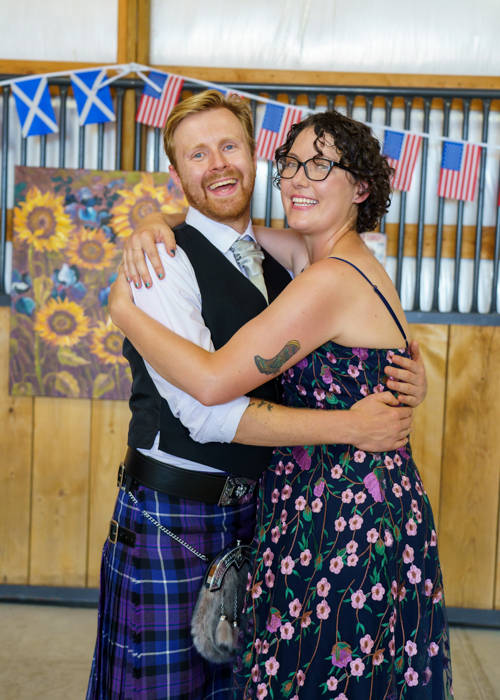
x: 270, y: 406
x: 274, y: 365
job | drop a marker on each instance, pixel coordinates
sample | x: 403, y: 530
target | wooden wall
x: 60, y: 458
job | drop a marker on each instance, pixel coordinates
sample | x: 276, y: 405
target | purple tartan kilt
x: 144, y: 647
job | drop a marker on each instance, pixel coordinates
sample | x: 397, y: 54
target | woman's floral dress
x: 346, y: 596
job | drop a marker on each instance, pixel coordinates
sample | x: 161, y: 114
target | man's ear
x: 362, y: 193
x: 175, y: 177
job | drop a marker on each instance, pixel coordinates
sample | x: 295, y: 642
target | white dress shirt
x: 175, y: 302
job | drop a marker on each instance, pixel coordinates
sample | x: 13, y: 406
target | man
x: 187, y: 485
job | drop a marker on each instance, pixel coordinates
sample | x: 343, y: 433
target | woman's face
x: 316, y: 207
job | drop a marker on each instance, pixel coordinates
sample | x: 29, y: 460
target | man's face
x: 215, y: 169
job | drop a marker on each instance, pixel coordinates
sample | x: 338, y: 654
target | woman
x: 346, y: 593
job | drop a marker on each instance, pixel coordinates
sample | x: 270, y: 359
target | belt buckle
x: 237, y: 490
x: 113, y: 531
x: 121, y: 475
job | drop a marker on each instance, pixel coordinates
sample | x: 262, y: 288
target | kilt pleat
x: 148, y: 592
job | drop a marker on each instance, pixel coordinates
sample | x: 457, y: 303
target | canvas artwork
x: 69, y: 229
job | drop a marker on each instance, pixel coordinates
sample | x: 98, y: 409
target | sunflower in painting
x: 42, y: 222
x: 61, y: 323
x: 107, y: 342
x: 90, y: 249
x: 145, y: 198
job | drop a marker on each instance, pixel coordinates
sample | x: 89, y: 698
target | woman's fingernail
x: 172, y: 251
x: 136, y: 285
x: 161, y: 275
x: 128, y: 279
x: 148, y: 285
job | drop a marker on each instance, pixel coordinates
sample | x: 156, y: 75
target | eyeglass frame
x: 333, y: 164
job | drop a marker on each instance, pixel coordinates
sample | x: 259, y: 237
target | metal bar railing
x: 421, y: 204
x: 480, y: 207
x: 440, y: 216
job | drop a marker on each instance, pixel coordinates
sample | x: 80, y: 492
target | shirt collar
x: 219, y: 235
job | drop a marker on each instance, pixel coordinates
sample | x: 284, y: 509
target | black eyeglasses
x: 317, y: 168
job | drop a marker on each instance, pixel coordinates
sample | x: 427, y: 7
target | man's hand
x: 410, y: 382
x: 380, y: 424
x: 153, y: 229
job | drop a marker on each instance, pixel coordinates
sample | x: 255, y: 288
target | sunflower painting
x: 69, y: 229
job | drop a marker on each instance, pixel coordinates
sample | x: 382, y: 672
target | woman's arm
x: 285, y: 245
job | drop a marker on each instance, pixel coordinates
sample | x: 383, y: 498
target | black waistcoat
x: 229, y: 300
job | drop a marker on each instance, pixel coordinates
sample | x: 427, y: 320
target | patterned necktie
x: 249, y: 257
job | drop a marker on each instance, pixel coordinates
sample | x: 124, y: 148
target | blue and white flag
x: 34, y: 107
x: 93, y: 102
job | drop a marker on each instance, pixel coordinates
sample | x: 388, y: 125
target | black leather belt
x: 183, y: 483
x: 120, y: 534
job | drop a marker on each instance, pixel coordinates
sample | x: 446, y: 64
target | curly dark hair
x: 360, y: 153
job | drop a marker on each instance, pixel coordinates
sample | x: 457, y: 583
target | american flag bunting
x: 154, y: 106
x: 459, y: 168
x: 275, y: 126
x: 401, y: 151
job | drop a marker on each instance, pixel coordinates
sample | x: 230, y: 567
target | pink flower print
x: 363, y: 390
x: 426, y: 548
x: 411, y: 677
x: 268, y: 557
x: 378, y: 657
x: 301, y: 677
x: 258, y: 645
x: 336, y: 565
x: 362, y: 353
x: 397, y: 460
x: 301, y: 390
x: 323, y: 587
x: 342, y: 696
x: 302, y: 458
x: 388, y: 462
x: 414, y: 505
x: 359, y: 456
x: 428, y: 587
x: 319, y: 488
x: 341, y: 655
x: 305, y: 557
x: 403, y: 452
x: 332, y: 683
x: 352, y: 560
x: 289, y: 467
x: 256, y: 591
x: 295, y: 607
x: 305, y: 620
x: 394, y: 590
x: 389, y: 356
x: 433, y: 649
x: 433, y: 541
x: 275, y: 496
x: 410, y: 648
x: 317, y: 505
x: 351, y: 547
x: 279, y: 468
x: 366, y: 644
x: 340, y: 524
x: 332, y: 358
x: 357, y: 667
x: 249, y: 581
x: 360, y: 498
x: 256, y: 673
x: 353, y: 371
x: 372, y: 535
x: 286, y: 631
x: 287, y: 565
x: 437, y: 596
x: 327, y: 375
x: 427, y: 675
x: 378, y: 389
x: 405, y: 483
x: 300, y: 503
x: 265, y: 645
x: 355, y: 522
x: 418, y: 488
x: 319, y: 394
x: 358, y: 599
x: 284, y: 528
x: 408, y: 554
x: 402, y: 593
x: 275, y: 534
x: 261, y: 691
x: 272, y: 666
x: 269, y: 578
x: 302, y: 364
x: 286, y: 492
x: 418, y: 516
x: 392, y: 649
x: 378, y: 591
x: 411, y: 527
x: 283, y: 516
x: 335, y: 389
x: 347, y: 496
x: 414, y: 574
x: 336, y: 471
x: 388, y: 539
x: 373, y: 485
x: 323, y: 610
x: 397, y: 490
x: 272, y: 625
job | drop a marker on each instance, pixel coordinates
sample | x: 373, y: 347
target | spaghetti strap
x: 388, y: 306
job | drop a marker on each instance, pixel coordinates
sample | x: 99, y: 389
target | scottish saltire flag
x: 93, y: 102
x: 275, y: 126
x: 34, y: 107
x: 155, y: 106
x: 401, y: 151
x: 459, y: 167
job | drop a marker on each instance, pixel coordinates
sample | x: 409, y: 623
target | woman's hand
x: 410, y: 382
x: 120, y: 296
x: 153, y: 229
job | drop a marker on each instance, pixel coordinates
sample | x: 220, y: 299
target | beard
x: 225, y: 210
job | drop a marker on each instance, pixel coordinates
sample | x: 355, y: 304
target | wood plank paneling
x: 59, y: 525
x: 428, y: 423
x: 471, y: 467
x: 16, y: 418
x: 110, y: 421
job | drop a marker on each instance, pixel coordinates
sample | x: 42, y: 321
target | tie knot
x: 247, y: 252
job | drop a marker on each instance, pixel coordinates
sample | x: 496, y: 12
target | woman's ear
x: 362, y: 193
